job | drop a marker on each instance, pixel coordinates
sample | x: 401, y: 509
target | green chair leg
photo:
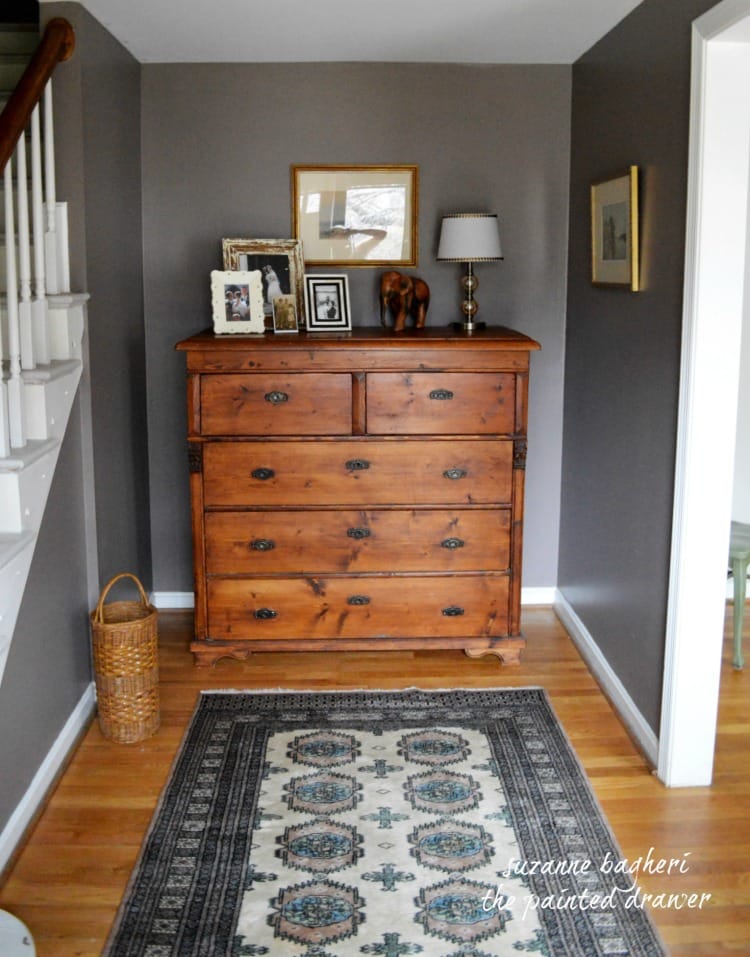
x: 739, y: 573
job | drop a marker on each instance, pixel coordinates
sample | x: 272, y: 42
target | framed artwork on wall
x: 279, y: 262
x: 327, y: 303
x: 614, y: 231
x: 356, y: 215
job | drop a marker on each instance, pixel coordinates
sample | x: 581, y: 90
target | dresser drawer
x: 440, y: 403
x: 357, y: 472
x: 278, y: 404
x: 304, y: 542
x: 358, y: 607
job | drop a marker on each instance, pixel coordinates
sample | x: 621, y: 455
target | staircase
x: 42, y: 323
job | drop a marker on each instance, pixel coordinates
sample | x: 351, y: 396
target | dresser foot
x: 205, y: 656
x: 508, y: 651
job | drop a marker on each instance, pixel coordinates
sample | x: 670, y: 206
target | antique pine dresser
x: 357, y: 490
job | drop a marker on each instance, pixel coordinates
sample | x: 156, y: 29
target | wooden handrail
x: 56, y: 45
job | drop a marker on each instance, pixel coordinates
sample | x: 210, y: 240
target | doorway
x: 714, y: 298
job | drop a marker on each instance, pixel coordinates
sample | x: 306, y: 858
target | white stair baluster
x: 50, y: 233
x: 15, y: 385
x: 24, y: 260
x: 40, y: 306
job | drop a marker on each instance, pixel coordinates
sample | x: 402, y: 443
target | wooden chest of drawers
x: 359, y: 490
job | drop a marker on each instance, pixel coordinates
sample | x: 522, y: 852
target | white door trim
x: 715, y: 259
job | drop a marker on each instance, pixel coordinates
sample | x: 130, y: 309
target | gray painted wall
x: 218, y: 143
x: 97, y: 110
x: 98, y: 124
x: 630, y: 106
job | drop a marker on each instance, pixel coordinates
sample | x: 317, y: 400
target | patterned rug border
x: 205, y: 695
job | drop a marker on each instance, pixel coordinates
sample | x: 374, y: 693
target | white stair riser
x: 13, y: 577
x: 23, y: 494
x: 66, y: 325
x: 48, y: 404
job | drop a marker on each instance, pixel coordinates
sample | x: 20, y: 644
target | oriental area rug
x: 439, y: 823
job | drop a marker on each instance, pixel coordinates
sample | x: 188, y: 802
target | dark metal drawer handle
x: 357, y: 465
x: 452, y: 543
x: 358, y: 600
x: 453, y: 611
x: 276, y: 398
x: 358, y: 533
x: 265, y: 614
x: 455, y: 474
x: 263, y: 474
x: 441, y: 394
x: 262, y: 545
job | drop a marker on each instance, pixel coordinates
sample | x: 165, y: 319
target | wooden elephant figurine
x: 404, y: 296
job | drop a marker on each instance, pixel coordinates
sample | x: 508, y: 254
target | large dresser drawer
x: 440, y: 403
x: 277, y: 404
x: 303, y: 542
x: 358, y: 472
x: 358, y: 607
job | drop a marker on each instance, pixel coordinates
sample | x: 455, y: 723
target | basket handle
x: 99, y: 611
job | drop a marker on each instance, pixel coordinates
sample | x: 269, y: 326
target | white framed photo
x: 237, y: 302
x: 285, y: 314
x: 327, y: 303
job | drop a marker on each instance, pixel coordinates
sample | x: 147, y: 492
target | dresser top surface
x: 494, y: 337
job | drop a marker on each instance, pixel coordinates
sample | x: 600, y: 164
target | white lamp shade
x: 469, y: 237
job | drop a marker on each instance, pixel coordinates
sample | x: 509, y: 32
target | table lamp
x: 469, y: 238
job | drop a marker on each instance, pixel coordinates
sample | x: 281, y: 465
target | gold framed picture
x: 614, y: 231
x: 356, y: 215
x: 279, y: 262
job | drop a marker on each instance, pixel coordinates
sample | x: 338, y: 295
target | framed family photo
x: 279, y: 262
x: 614, y: 231
x: 285, y: 314
x: 237, y: 302
x: 356, y: 215
x: 327, y: 303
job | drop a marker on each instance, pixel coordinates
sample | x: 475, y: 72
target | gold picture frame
x: 614, y: 231
x: 280, y: 265
x: 356, y: 215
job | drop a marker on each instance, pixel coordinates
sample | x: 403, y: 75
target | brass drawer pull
x: 263, y: 474
x: 262, y: 545
x: 452, y: 543
x: 265, y: 614
x: 276, y: 398
x: 358, y: 533
x: 357, y: 465
x: 358, y: 600
x: 455, y: 474
x: 441, y: 394
x: 453, y: 611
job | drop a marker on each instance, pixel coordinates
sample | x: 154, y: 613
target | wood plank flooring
x: 68, y: 880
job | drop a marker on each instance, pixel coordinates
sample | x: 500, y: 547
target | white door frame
x: 715, y: 265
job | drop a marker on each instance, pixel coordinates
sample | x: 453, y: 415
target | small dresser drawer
x: 358, y: 607
x: 366, y: 472
x: 440, y: 403
x: 263, y: 404
x: 400, y: 540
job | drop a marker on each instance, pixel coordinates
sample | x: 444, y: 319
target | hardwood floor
x: 68, y: 880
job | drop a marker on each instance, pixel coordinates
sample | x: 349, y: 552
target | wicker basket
x: 126, y: 665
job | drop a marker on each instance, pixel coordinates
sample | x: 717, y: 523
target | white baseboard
x: 538, y: 596
x: 45, y: 777
x: 631, y: 717
x: 185, y: 599
x: 172, y: 599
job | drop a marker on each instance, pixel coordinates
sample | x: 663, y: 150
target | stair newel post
x: 15, y: 385
x: 39, y: 307
x: 24, y: 259
x: 50, y: 189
